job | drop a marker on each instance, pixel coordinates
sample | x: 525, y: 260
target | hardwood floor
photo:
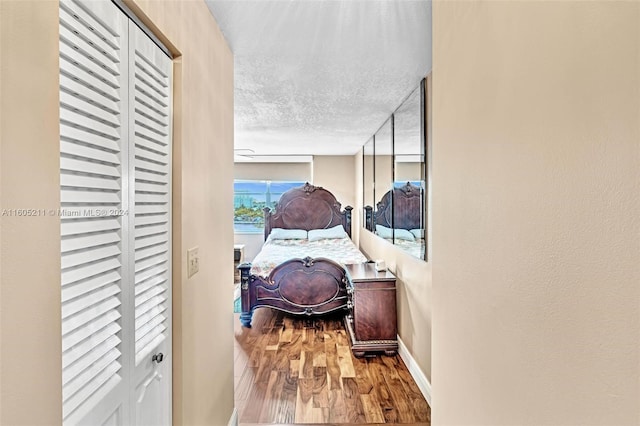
x: 291, y: 370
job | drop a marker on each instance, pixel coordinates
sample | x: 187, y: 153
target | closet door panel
x: 93, y: 154
x: 150, y: 193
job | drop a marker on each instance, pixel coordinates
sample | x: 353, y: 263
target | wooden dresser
x: 372, y: 320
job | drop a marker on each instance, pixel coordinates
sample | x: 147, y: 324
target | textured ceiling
x: 320, y: 77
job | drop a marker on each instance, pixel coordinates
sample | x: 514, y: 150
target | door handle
x: 157, y: 358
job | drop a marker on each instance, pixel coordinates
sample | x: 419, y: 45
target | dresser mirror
x: 397, y: 212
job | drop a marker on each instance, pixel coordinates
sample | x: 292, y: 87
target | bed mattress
x: 275, y: 252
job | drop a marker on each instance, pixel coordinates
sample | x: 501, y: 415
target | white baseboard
x: 414, y: 369
x: 233, y: 421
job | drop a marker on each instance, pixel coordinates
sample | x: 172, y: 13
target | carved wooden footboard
x: 298, y: 286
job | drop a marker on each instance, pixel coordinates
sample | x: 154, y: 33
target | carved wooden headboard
x: 307, y: 207
x: 407, y: 206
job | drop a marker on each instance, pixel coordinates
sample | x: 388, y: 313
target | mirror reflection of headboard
x: 406, y: 212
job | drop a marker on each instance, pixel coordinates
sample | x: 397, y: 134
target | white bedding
x: 275, y: 252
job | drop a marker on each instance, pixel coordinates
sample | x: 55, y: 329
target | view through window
x: 251, y: 196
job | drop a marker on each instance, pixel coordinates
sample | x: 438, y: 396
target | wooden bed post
x: 245, y: 295
x: 267, y: 222
x: 368, y: 218
x: 347, y: 219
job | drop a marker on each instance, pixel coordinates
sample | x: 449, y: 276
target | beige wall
x: 203, y: 194
x: 383, y: 176
x: 203, y: 173
x: 408, y: 172
x: 30, y: 334
x: 536, y: 172
x: 335, y: 174
x: 273, y: 171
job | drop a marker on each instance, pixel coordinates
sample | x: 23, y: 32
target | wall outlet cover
x: 193, y: 262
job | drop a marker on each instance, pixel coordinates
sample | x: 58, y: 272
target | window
x: 250, y: 197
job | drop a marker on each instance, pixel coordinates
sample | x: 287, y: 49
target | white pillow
x: 322, y: 234
x: 287, y: 234
x: 403, y: 234
x: 418, y: 233
x: 384, y: 232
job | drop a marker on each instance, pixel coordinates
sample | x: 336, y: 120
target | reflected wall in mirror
x: 367, y: 181
x: 383, y: 179
x: 409, y: 175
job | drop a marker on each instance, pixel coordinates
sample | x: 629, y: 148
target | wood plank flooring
x: 291, y: 370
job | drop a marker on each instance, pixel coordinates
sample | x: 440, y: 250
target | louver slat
x: 160, y: 271
x: 76, y: 103
x: 80, y: 120
x: 150, y: 103
x: 152, y: 219
x: 89, y: 270
x: 79, y: 243
x: 100, y: 45
x: 95, y: 60
x: 152, y: 69
x: 79, y: 166
x: 82, y: 333
x: 150, y: 209
x: 153, y: 156
x: 91, y: 182
x: 152, y: 188
x: 141, y: 175
x: 152, y: 198
x: 150, y: 283
x: 86, y: 86
x: 86, y: 226
x: 151, y: 130
x: 151, y: 230
x: 149, y: 165
x: 143, y: 242
x: 149, y: 113
x: 157, y: 140
x: 99, y: 350
x: 145, y: 253
x: 80, y: 136
x: 71, y: 291
x: 93, y: 66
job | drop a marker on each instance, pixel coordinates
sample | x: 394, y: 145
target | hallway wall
x: 203, y: 206
x: 536, y: 170
x: 30, y: 342
x: 30, y: 333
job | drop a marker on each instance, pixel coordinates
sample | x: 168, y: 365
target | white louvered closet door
x: 115, y: 256
x: 150, y: 194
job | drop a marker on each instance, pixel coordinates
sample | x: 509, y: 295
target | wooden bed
x: 299, y: 286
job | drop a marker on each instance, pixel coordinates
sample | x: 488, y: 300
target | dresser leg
x: 391, y: 352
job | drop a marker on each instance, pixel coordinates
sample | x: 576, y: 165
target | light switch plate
x: 193, y: 262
